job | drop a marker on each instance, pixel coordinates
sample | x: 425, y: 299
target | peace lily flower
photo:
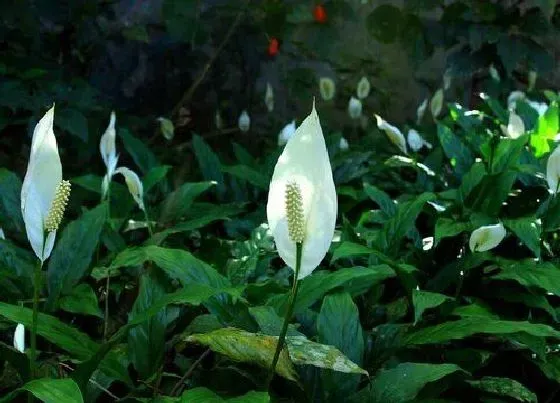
x: 416, y: 141
x: 436, y: 104
x: 109, y: 153
x: 354, y: 108
x: 244, y: 122
x: 494, y: 73
x: 19, y: 338
x: 44, y: 194
x: 134, y: 185
x: 539, y: 107
x: 513, y: 97
x: 421, y: 110
x: 553, y: 170
x: 327, y: 88
x: 269, y: 97
x: 165, y: 125
x: 286, y: 133
x: 392, y: 132
x: 2, y: 236
x: 487, y: 237
x: 343, y: 144
x: 302, y: 204
x: 363, y: 88
x: 515, y: 127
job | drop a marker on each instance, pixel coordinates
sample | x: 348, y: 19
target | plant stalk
x: 36, y: 295
x: 289, y: 312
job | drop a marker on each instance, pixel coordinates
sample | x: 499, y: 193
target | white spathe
x: 392, y: 132
x: 421, y: 110
x: 44, y: 173
x: 19, y: 338
x: 2, y: 236
x: 304, y: 161
x: 343, y: 144
x: 354, y: 108
x: 416, y: 141
x: 553, y: 170
x: 539, y: 107
x: 108, y: 148
x: 327, y: 88
x: 134, y: 185
x: 286, y: 133
x: 515, y: 127
x: 362, y: 91
x: 436, y: 104
x: 487, y: 237
x: 244, y: 122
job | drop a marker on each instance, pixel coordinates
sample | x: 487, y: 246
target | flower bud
x: 287, y: 133
x: 244, y: 122
x: 363, y: 88
x: 19, y: 338
x: 436, y: 104
x: 343, y: 144
x: 421, y: 110
x: 327, y: 88
x: 354, y: 108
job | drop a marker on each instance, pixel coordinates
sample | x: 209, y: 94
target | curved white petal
x: 539, y: 107
x: 421, y: 110
x: 415, y: 141
x: 107, y: 145
x: 553, y: 170
x: 436, y: 104
x: 343, y: 144
x: 305, y: 161
x: 134, y: 185
x: 487, y: 237
x: 2, y: 236
x: 515, y: 127
x: 513, y: 97
x: 354, y: 108
x: 286, y: 133
x: 244, y: 122
x: 327, y: 88
x: 363, y: 88
x: 19, y: 338
x: 44, y: 173
x: 392, y: 132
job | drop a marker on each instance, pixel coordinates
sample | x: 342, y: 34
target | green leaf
x: 492, y: 192
x: 354, y: 280
x: 143, y: 157
x: 504, y: 387
x: 387, y: 205
x: 178, y: 202
x: 528, y: 229
x: 204, y: 395
x: 404, y: 382
x: 547, y: 7
x: 74, y: 122
x: 50, y: 391
x: 209, y: 164
x: 460, y: 156
x: 470, y: 181
x: 384, y: 23
x: 507, y: 153
x: 446, y: 228
x: 338, y: 325
x: 18, y: 360
x: 469, y: 326
x: 269, y: 322
x: 248, y: 174
x: 545, y: 276
x: 11, y: 220
x: 423, y: 300
x: 398, y: 226
x: 81, y: 300
x: 547, y: 128
x: 73, y: 252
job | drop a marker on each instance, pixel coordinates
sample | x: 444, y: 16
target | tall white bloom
x: 269, y: 97
x: 363, y: 88
x: 494, y: 73
x: 134, y: 185
x: 44, y: 194
x: 19, y: 338
x: 421, y: 110
x: 392, y: 132
x: 286, y: 133
x: 487, y: 237
x: 244, y: 122
x: 515, y: 127
x: 343, y: 144
x: 109, y: 154
x: 2, y: 236
x: 416, y: 141
x: 354, y: 108
x: 302, y: 204
x: 553, y: 170
x: 327, y: 88
x: 436, y: 104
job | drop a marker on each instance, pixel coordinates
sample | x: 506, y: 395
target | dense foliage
x: 176, y: 292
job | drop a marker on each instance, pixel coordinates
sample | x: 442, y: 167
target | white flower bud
x: 244, y: 122
x: 286, y: 133
x: 363, y: 88
x: 354, y: 108
x: 327, y: 88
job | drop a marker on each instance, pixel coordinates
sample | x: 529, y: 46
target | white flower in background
x: 218, y: 121
x: 286, y: 133
x: 354, y: 108
x: 165, y: 125
x: 363, y: 88
x: 421, y: 110
x: 19, y: 338
x: 531, y: 80
x: 269, y: 97
x: 513, y: 97
x: 447, y: 76
x: 327, y: 88
x: 515, y: 127
x: 539, y: 107
x: 2, y: 236
x: 487, y: 237
x: 44, y: 194
x: 392, y: 132
x: 494, y: 73
x: 302, y: 203
x: 416, y: 141
x: 109, y: 154
x: 134, y: 185
x: 436, y: 104
x: 244, y: 122
x: 343, y: 144
x: 553, y: 170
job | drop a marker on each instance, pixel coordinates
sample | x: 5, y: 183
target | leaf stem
x: 148, y: 223
x: 289, y: 312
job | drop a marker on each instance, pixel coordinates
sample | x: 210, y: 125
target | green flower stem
x: 289, y: 312
x: 36, y: 295
x: 148, y: 222
x: 108, y: 281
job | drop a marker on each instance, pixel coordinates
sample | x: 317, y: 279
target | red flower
x: 273, y: 46
x: 320, y: 14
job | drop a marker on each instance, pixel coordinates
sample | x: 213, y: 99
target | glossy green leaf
x: 504, y: 387
x: 11, y: 220
x: 209, y: 164
x: 50, y: 391
x: 545, y: 276
x: 178, y: 202
x: 423, y: 300
x: 143, y: 157
x: 454, y: 148
x: 252, y: 176
x: 528, y: 230
x: 81, y: 300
